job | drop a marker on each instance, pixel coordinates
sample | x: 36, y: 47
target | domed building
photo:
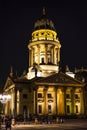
x: 45, y: 89
x: 44, y: 48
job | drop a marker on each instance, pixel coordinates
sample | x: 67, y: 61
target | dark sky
x: 16, y: 24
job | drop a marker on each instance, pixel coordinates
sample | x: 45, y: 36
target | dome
x: 44, y: 23
x: 81, y: 74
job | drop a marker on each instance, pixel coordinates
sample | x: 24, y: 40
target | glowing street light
x: 4, y: 98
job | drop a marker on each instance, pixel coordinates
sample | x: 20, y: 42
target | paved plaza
x: 72, y: 124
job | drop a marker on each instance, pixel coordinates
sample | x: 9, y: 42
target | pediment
x: 8, y: 83
x: 60, y: 78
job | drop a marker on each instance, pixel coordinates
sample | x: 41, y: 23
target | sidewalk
x: 67, y: 123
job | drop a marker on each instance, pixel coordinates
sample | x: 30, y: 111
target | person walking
x: 8, y: 124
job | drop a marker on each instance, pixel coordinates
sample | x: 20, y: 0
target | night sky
x: 16, y: 24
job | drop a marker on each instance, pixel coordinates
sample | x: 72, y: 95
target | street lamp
x: 4, y: 98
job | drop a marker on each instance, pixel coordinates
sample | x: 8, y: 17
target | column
x: 38, y: 54
x: 81, y: 101
x: 29, y: 57
x: 46, y: 58
x: 35, y: 99
x: 54, y: 55
x: 15, y: 102
x: 20, y: 98
x: 60, y: 97
x: 12, y: 101
x: 64, y: 98
x: 58, y: 54
x: 51, y: 55
x: 72, y: 100
x: 33, y: 55
x: 56, y: 106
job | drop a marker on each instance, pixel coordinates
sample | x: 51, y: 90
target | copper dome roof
x: 44, y: 23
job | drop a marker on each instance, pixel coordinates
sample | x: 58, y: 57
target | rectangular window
x: 39, y: 95
x: 49, y: 109
x: 76, y: 109
x: 42, y: 60
x: 68, y: 96
x: 40, y: 109
x: 68, y: 109
x: 48, y: 60
x: 24, y: 111
x: 49, y: 95
x: 25, y: 96
x: 76, y: 96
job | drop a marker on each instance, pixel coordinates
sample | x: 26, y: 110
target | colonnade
x: 59, y: 101
x: 36, y: 54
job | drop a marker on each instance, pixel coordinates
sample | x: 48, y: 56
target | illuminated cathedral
x: 45, y: 89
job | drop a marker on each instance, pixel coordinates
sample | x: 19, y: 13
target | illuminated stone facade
x: 44, y: 49
x: 45, y: 89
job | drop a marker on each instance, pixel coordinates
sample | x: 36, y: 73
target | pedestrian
x: 57, y: 120
x: 0, y: 125
x: 2, y: 120
x: 61, y: 120
x: 8, y: 124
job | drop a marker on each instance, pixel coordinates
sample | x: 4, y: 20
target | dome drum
x: 44, y: 34
x: 45, y: 42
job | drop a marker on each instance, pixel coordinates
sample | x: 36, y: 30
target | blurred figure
x: 0, y: 125
x: 61, y: 120
x: 8, y: 124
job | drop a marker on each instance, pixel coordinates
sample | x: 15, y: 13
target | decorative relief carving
x: 61, y: 79
x: 44, y: 22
